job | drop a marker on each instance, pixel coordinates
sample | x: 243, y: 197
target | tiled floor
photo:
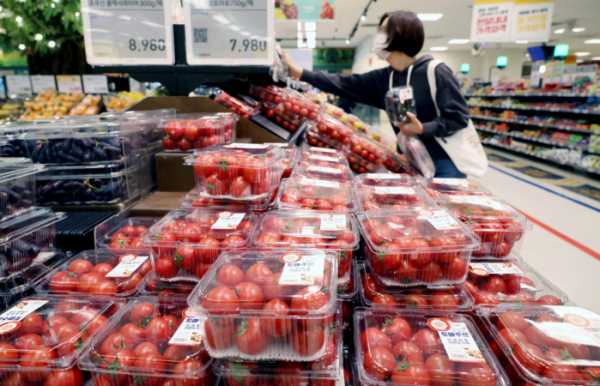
x: 564, y: 245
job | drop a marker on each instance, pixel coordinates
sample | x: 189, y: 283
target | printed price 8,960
x: 145, y: 44
x: 252, y: 45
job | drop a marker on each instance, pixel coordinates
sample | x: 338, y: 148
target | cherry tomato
x: 70, y: 377
x: 250, y: 296
x: 408, y: 352
x: 379, y: 363
x: 476, y: 374
x: 530, y: 357
x: 144, y: 348
x: 80, y: 266
x: 307, y: 341
x: 258, y: 274
x: 223, y: 299
x: 115, y: 341
x: 431, y: 272
x: 251, y: 336
x: 456, y: 269
x: 116, y: 359
x: 441, y: 370
x: 64, y: 281
x: 143, y: 313
x: 428, y: 341
x: 512, y: 319
x: 230, y: 276
x: 410, y: 374
x: 158, y: 331
x: 166, y: 266
x: 373, y: 337
x: 219, y: 332
x: 133, y: 331
x: 188, y: 373
x: 38, y: 359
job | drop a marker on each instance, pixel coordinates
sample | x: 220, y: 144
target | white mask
x: 379, y: 45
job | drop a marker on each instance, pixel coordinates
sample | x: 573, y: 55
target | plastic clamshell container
x: 202, y: 130
x: 153, y: 286
x: 333, y: 130
x: 77, y: 316
x: 325, y: 371
x: 511, y: 283
x: 270, y: 276
x: 323, y: 170
x: 267, y: 93
x: 321, y: 194
x: 335, y: 231
x: 470, y: 362
x: 244, y: 107
x: 385, y: 198
x: 289, y: 159
x: 148, y: 178
x: 131, y: 228
x: 362, y: 165
x: 282, y: 117
x: 245, y: 172
x: 348, y: 291
x: 17, y: 186
x: 315, y: 154
x: 384, y: 179
x: 449, y: 298
x: 65, y: 185
x: 195, y: 199
x: 567, y: 346
x: 100, y: 272
x: 416, y: 247
x: 297, y: 103
x: 500, y: 227
x: 186, y: 242
x: 453, y: 186
x: 149, y: 123
x: 27, y: 241
x: 72, y: 142
x: 315, y: 139
x: 184, y: 363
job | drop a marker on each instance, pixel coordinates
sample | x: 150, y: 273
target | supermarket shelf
x: 526, y: 138
x: 534, y: 155
x: 536, y: 124
x: 537, y: 109
x: 530, y: 95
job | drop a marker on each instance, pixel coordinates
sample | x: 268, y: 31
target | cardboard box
x: 157, y: 204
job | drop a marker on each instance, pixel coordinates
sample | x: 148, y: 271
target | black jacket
x: 370, y: 89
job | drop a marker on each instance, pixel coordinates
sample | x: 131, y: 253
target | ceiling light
x: 77, y: 14
x: 438, y: 49
x: 347, y: 41
x: 363, y: 18
x: 592, y: 41
x: 582, y: 54
x: 595, y: 58
x: 51, y: 44
x: 39, y: 37
x: 430, y: 16
x: 19, y: 19
x: 310, y: 26
x: 578, y: 29
x: 559, y: 31
x: 522, y: 42
x: 580, y: 61
x: 22, y: 47
x: 458, y: 41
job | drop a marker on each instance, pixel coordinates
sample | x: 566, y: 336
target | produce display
x: 350, y: 120
x: 50, y: 105
x: 268, y: 93
x: 297, y: 103
x: 243, y: 291
x: 125, y: 236
x: 303, y: 192
x: 279, y: 115
x: 197, y: 131
x: 384, y: 180
x: 17, y: 186
x: 395, y: 347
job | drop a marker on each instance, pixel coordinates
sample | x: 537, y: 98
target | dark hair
x: 405, y: 32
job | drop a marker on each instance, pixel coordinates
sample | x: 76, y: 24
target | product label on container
x: 457, y: 340
x: 393, y: 190
x: 406, y: 93
x: 247, y: 146
x: 128, y: 264
x: 323, y: 169
x: 384, y: 176
x: 323, y: 149
x: 301, y: 270
x: 440, y: 219
x: 228, y: 220
x: 577, y: 329
x: 188, y: 333
x: 476, y: 200
x: 451, y: 181
x: 11, y: 320
x: 485, y: 269
x: 323, y: 183
x: 323, y: 158
x: 331, y: 222
x: 440, y: 287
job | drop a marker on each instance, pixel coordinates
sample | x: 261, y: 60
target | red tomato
x: 430, y: 272
x: 428, y: 341
x: 103, y: 268
x: 116, y: 359
x: 441, y: 370
x: 485, y: 297
x: 158, y: 331
x: 216, y: 186
x: 185, y: 257
x: 251, y: 336
x: 258, y: 274
x: 456, y: 269
x: 495, y: 285
x: 209, y: 249
x: 64, y: 281
x: 379, y: 363
x: 520, y: 283
x: 219, y: 332
x: 135, y: 332
x: 188, y: 373
x: 94, y: 325
x: 530, y: 357
x: 250, y: 296
x: 512, y: 337
x: 512, y: 319
x: 278, y: 327
x: 549, y: 300
x: 80, y: 266
x: 408, y: 352
x: 410, y: 374
x: 230, y: 276
x: 174, y: 129
x: 372, y: 337
x: 191, y: 233
x: 32, y: 324
x: 114, y: 342
x: 406, y: 272
x: 476, y: 374
x: 25, y: 342
x: 385, y: 300
x: 176, y: 354
x: 307, y: 341
x: 166, y: 266
x: 443, y: 301
x: 38, y: 360
x: 223, y: 299
x: 70, y: 377
x: 143, y: 313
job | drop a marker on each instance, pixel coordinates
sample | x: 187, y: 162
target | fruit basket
x: 245, y: 108
x: 491, y: 283
x: 261, y: 305
x: 547, y: 345
x: 239, y: 171
x: 499, y: 226
x: 394, y: 198
x: 85, y: 185
x: 450, y: 298
x: 335, y: 231
x: 27, y: 241
x: 99, y: 272
x: 416, y: 247
x: 404, y: 347
x: 385, y: 179
x: 149, y: 341
x: 323, y: 170
x: 186, y: 242
x: 318, y: 194
x: 195, y: 199
x: 325, y: 371
x: 17, y: 186
x: 453, y: 186
x: 153, y: 286
x: 297, y: 103
x: 188, y: 132
x: 123, y: 234
x: 268, y: 93
x: 43, y: 338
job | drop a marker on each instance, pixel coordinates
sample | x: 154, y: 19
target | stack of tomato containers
x: 198, y: 131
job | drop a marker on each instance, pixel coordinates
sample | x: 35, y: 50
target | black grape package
x: 398, y: 102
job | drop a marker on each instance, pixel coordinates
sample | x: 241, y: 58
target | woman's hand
x: 413, y: 127
x: 294, y: 69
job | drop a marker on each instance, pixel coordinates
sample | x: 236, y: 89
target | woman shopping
x: 442, y: 121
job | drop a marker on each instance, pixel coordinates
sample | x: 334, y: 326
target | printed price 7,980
x: 253, y: 45
x: 146, y: 44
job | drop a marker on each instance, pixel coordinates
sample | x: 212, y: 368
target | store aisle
x: 564, y: 245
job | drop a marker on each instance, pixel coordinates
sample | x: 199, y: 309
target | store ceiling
x: 455, y: 24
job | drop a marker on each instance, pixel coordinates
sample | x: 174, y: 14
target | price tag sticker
x: 477, y: 200
x: 323, y: 149
x: 18, y: 84
x: 246, y: 146
x: 11, y: 320
x: 301, y: 270
x: 323, y: 169
x: 322, y: 183
x: 440, y: 219
x: 188, y: 333
x: 234, y: 32
x: 95, y: 84
x: 384, y: 176
x: 451, y: 181
x: 393, y: 190
x: 128, y: 32
x: 457, y: 340
x: 486, y: 269
x: 68, y: 84
x: 127, y: 266
x: 333, y: 222
x: 323, y: 158
x: 41, y: 83
x: 228, y: 220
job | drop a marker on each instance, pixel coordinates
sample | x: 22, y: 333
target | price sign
x: 69, y: 84
x: 128, y: 31
x: 41, y: 83
x: 95, y: 84
x: 230, y: 32
x: 18, y: 84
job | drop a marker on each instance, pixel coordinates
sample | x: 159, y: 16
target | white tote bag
x: 463, y: 147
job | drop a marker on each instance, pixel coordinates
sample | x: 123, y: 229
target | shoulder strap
x: 432, y: 82
x: 407, y: 77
